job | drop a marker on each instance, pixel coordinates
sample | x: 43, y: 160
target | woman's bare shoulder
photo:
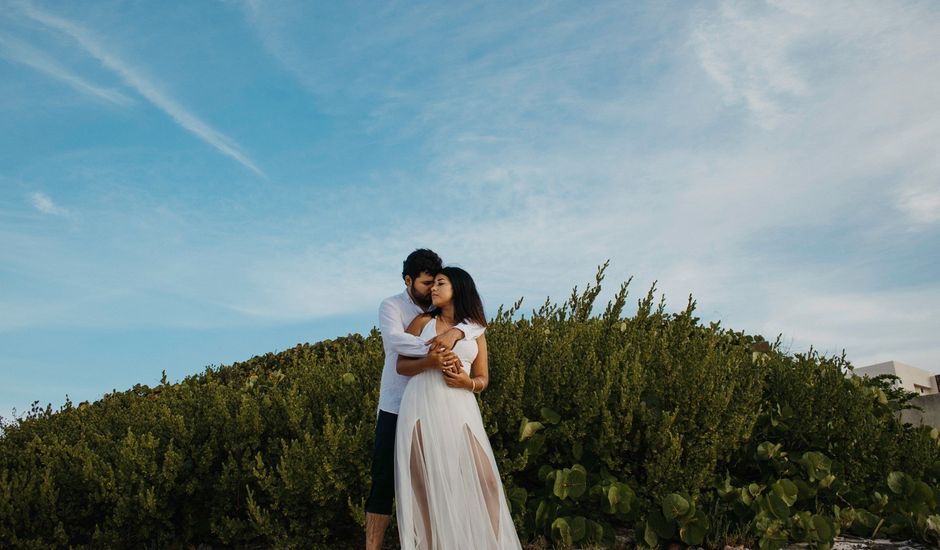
x: 418, y: 324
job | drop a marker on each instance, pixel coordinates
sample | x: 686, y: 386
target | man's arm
x: 439, y: 360
x: 455, y: 333
x: 393, y: 333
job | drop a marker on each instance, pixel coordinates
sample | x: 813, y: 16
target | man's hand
x: 447, y: 339
x: 439, y: 358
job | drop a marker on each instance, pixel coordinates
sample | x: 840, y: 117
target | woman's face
x: 441, y: 293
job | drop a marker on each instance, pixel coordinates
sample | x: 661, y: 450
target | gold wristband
x: 473, y: 381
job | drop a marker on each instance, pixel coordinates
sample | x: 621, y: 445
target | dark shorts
x: 383, y: 465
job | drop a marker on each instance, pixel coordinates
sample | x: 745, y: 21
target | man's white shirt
x: 395, y: 314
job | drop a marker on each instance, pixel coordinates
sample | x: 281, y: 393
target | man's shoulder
x: 396, y: 299
x: 397, y: 302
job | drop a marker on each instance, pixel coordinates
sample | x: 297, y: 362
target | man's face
x: 420, y: 288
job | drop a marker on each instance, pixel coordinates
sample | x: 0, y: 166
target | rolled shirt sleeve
x: 394, y: 337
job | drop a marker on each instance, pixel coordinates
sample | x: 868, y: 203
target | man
x: 395, y: 314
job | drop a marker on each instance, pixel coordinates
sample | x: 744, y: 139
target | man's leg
x: 379, y: 503
x: 376, y: 524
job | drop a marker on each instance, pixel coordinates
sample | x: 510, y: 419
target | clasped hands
x: 448, y: 363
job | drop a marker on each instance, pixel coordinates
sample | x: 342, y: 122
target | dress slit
x: 489, y: 485
x: 419, y: 480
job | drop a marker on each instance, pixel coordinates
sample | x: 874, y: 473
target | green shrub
x: 600, y: 422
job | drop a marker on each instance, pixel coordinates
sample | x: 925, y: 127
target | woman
x: 448, y: 491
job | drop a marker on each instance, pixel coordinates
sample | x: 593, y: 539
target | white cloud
x: 145, y: 86
x: 921, y: 204
x: 536, y: 177
x: 44, y: 204
x: 749, y: 57
x: 20, y: 52
x: 897, y: 324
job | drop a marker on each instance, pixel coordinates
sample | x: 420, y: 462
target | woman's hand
x: 442, y: 359
x: 456, y: 377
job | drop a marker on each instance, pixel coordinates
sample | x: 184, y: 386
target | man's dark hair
x: 420, y: 261
x: 467, y: 303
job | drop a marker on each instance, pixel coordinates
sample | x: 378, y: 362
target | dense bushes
x: 656, y: 422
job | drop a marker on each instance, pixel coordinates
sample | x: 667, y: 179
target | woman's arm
x: 435, y: 359
x: 479, y: 377
x: 480, y: 368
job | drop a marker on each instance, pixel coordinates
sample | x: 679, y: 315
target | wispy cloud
x: 921, y: 204
x: 21, y: 52
x: 548, y: 143
x: 758, y: 118
x: 145, y: 86
x: 44, y: 204
x: 749, y: 57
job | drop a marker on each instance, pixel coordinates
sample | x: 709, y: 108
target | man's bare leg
x: 376, y: 524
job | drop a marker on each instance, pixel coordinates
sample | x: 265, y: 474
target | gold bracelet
x: 473, y: 381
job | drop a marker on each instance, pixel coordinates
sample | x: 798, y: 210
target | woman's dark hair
x: 420, y: 261
x: 467, y: 303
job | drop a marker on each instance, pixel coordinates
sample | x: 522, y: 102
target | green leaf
x: 817, y: 465
x: 923, y: 493
x: 896, y: 482
x: 786, y: 490
x: 933, y: 523
x: 865, y: 523
x: 570, y: 482
x: 675, y: 506
x: 578, y: 527
x: 528, y: 429
x: 650, y: 537
x: 542, y: 513
x: 550, y: 416
x: 825, y: 529
x: 768, y: 450
x: 544, y: 469
x: 517, y: 497
x: 694, y: 530
x: 693, y: 534
x: 535, y: 444
x: 882, y: 397
x: 574, y: 480
x: 577, y: 450
x: 559, y: 489
x: 613, y: 497
x: 664, y: 528
x: 805, y: 490
x: 776, y: 506
x: 900, y: 483
x: 595, y: 531
x: 627, y: 498
x: 561, y: 532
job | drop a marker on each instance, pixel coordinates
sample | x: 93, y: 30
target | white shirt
x: 395, y: 314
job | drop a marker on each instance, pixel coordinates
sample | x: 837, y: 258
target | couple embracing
x: 431, y: 452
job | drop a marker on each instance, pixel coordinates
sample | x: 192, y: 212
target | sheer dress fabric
x: 448, y: 491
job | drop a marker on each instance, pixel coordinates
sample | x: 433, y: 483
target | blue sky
x: 194, y: 183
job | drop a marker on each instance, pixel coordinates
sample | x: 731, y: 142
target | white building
x: 911, y: 378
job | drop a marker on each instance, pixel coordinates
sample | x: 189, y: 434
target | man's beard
x: 425, y: 302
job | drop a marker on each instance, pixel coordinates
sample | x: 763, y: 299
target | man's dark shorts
x: 383, y: 465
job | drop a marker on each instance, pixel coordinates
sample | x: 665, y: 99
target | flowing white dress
x: 448, y: 492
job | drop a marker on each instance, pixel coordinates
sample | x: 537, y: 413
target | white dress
x: 446, y: 483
